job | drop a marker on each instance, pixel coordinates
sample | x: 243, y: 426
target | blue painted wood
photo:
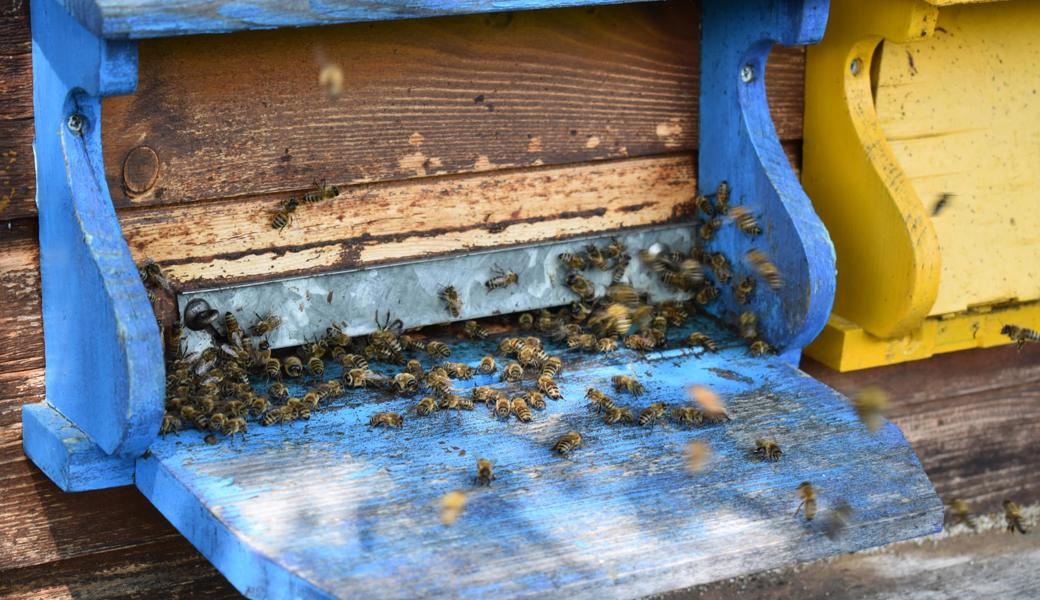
x: 136, y: 19
x: 66, y: 455
x: 332, y: 508
x: 103, y: 350
x: 738, y: 144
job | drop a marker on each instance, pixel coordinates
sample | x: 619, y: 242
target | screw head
x: 856, y: 67
x: 198, y: 315
x: 747, y: 73
x: 76, y: 123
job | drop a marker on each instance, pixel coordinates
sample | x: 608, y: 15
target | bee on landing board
x: 386, y: 419
x: 567, y: 443
x: 624, y: 383
x: 808, y: 495
x: 768, y: 449
x: 484, y: 474
x: 323, y: 192
x: 285, y: 214
x: 1013, y: 517
x: 744, y: 220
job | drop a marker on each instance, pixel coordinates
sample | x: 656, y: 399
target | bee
x: 293, y: 366
x: 615, y: 249
x: 768, y: 449
x: 334, y: 336
x: 405, y: 383
x: 642, y: 343
x: 617, y: 414
x: 748, y: 325
x: 458, y: 370
x: 551, y: 367
x: 547, y: 386
x: 742, y: 291
x: 1013, y: 517
x: 324, y: 192
x: 530, y: 357
x: 519, y: 407
x: 170, y: 424
x: 720, y: 264
x: 295, y: 406
x: 353, y: 361
x: 533, y: 342
x: 712, y: 406
x: 837, y: 519
x: 258, y: 405
x: 316, y: 367
x: 513, y: 372
x: 278, y: 391
x: 722, y: 197
x: 574, y: 262
x: 438, y: 349
x: 311, y: 399
x: 265, y: 324
x: 386, y: 419
x: 452, y: 302
x: 698, y: 339
x: 676, y: 281
x: 426, y: 406
x: 409, y: 342
x: 415, y: 368
x: 697, y: 455
x: 961, y: 513
x: 744, y: 220
x: 474, y: 331
x: 235, y: 408
x: 231, y: 325
x: 580, y: 311
x: 759, y: 348
x: 623, y: 294
x: 152, y: 276
x: 614, y: 319
x: 599, y: 400
x: 624, y: 383
x: 285, y: 214
x: 501, y: 279
x: 687, y: 415
x: 272, y: 368
x: 701, y: 202
x: 487, y: 365
x: 596, y: 258
x: 330, y: 389
x: 484, y: 474
x: 276, y: 415
x: 511, y: 346
x: 483, y: 394
x: 217, y: 421
x: 940, y: 203
x: 440, y: 384
x: 620, y: 266
x: 709, y: 228
x: 356, y: 378
x: 535, y: 399
x: 765, y: 269
x: 546, y: 321
x: 567, y: 442
x: 455, y: 402
x: 234, y: 425
x: 808, y: 496
x: 452, y: 504
x: 606, y: 345
x: 650, y: 414
x: 502, y: 406
x: 581, y: 286
x: 173, y: 338
x: 871, y: 403
x: 525, y: 321
x: 1020, y: 335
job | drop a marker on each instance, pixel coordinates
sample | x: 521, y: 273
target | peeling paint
x: 416, y: 163
x: 416, y: 139
x: 535, y: 145
x: 669, y: 131
x: 594, y: 142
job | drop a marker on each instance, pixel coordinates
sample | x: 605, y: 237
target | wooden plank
x: 205, y: 244
x: 14, y: 27
x: 21, y: 328
x: 17, y: 169
x: 16, y: 86
x: 244, y: 114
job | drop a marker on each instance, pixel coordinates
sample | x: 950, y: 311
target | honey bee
x: 614, y: 319
x: 706, y: 295
x: 519, y: 407
x: 405, y: 383
x: 511, y: 346
x: 272, y: 368
x: 285, y: 214
x: 687, y: 415
x: 871, y: 402
x: 748, y: 325
x: 258, y: 405
x: 547, y: 386
x: 623, y: 294
x: 276, y: 415
x: 233, y: 426
x: 960, y: 512
x: 410, y: 342
x: 615, y: 249
x: 698, y: 339
x: 386, y: 419
x: 535, y: 399
x: 642, y: 343
x: 452, y: 302
x: 808, y: 496
x: 606, y: 345
x: 334, y: 336
x: 722, y: 198
x: 265, y: 324
x: 1013, y: 517
x: 580, y: 311
x: 513, y: 372
x: 759, y: 348
x: 439, y: 383
x: 546, y: 321
x: 295, y: 406
x: 173, y: 338
x: 170, y: 424
x: 528, y: 357
x: 501, y: 279
x: 650, y: 414
x: 599, y: 400
x: 235, y: 408
x: 551, y: 367
x: 457, y: 370
x: 620, y: 266
x: 837, y: 519
x: 765, y: 269
x: 617, y: 414
x: 575, y: 262
x: 353, y: 361
x: 596, y: 258
x: 701, y: 201
x: 743, y: 290
x: 709, y: 227
x: 483, y: 394
x: 567, y: 442
x: 293, y: 366
x: 324, y: 192
x: 438, y: 349
x: 1020, y: 335
x: 415, y: 367
x: 484, y: 474
x: 474, y: 331
x: 152, y: 276
x: 624, y: 383
x: 768, y: 449
x: 502, y: 406
x: 316, y: 367
x: 455, y: 402
x: 231, y: 325
x: 744, y: 220
x: 217, y: 420
x: 720, y: 264
x: 525, y: 321
x: 452, y: 504
x: 426, y: 406
x: 330, y: 389
x: 697, y: 455
x: 581, y: 286
x: 278, y: 391
x: 487, y: 365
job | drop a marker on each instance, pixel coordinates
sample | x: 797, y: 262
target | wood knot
x: 140, y: 171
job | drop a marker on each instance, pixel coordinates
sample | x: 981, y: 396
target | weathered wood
x: 21, y: 328
x: 17, y: 174
x: 14, y: 27
x: 17, y: 169
x: 201, y: 244
x: 15, y: 86
x: 236, y: 115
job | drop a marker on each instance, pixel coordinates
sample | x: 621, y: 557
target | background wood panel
x: 17, y: 175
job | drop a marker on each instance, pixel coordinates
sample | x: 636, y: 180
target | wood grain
x: 202, y: 244
x: 16, y: 86
x: 17, y: 165
x: 14, y: 27
x: 21, y: 328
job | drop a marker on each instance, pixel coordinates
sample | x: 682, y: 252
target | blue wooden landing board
x: 332, y: 508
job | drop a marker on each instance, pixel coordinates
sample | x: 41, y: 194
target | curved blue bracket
x: 105, y: 375
x: 739, y: 144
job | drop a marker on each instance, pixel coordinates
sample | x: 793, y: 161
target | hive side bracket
x: 105, y: 373
x: 739, y: 144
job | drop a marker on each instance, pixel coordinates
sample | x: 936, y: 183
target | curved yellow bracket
x: 888, y: 254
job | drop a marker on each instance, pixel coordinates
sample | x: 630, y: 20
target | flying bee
x: 386, y: 419
x: 278, y: 391
x: 574, y: 262
x: 170, y: 424
x: 720, y: 265
x: 768, y: 449
x: 452, y: 302
x: 484, y: 474
x: 567, y: 442
x: 284, y: 215
x: 765, y: 269
x: 676, y: 281
x: 535, y: 399
x: 624, y: 383
x: 640, y: 342
x: 748, y: 325
x: 547, y: 386
x: 744, y: 220
x: 599, y: 400
x: 960, y: 512
x: 502, y: 406
x: 620, y: 266
x: 649, y: 415
x: 487, y: 365
x: 711, y: 405
x: 501, y: 279
x: 687, y: 415
x: 759, y: 348
x: 698, y: 339
x: 606, y: 345
x: 742, y: 291
x: 323, y: 192
x: 617, y: 414
x: 551, y: 367
x: 457, y: 370
x: 871, y: 403
x: 437, y: 349
x: 697, y: 455
x: 808, y: 495
x: 259, y: 405
x: 234, y: 426
x: 525, y: 321
x: 701, y: 202
x: 426, y: 406
x: 709, y: 227
x: 513, y: 372
x: 581, y: 286
x: 152, y: 276
x: 1020, y: 335
x: 474, y: 331
x: 1013, y: 517
x: 452, y: 504
x: 316, y: 367
x: 406, y: 383
x: 623, y: 294
x: 614, y: 319
x: 519, y: 407
x: 722, y: 198
x: 293, y: 366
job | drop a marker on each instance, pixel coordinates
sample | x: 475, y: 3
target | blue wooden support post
x: 739, y: 144
x: 104, y: 363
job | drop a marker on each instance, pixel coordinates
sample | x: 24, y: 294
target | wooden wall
x: 534, y: 113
